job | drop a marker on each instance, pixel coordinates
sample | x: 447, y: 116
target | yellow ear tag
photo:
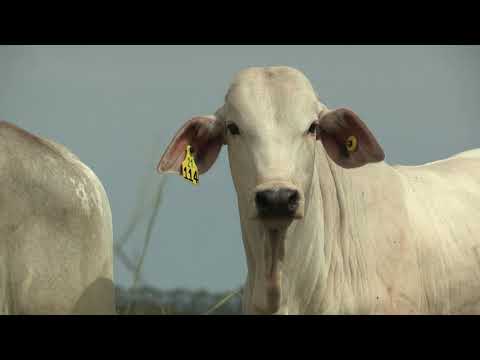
x: 189, y: 168
x: 351, y: 144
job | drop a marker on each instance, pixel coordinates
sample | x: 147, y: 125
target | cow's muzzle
x: 278, y: 201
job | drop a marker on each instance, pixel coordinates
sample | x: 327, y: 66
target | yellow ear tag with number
x: 351, y: 144
x: 189, y: 168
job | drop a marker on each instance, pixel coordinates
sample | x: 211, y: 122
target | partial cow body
x: 328, y: 226
x: 381, y: 240
x: 56, y: 245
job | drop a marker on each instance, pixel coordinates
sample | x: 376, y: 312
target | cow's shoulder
x: 444, y: 189
x: 473, y: 154
x: 457, y: 165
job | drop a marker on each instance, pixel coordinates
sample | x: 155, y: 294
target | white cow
x: 328, y: 227
x: 56, y: 246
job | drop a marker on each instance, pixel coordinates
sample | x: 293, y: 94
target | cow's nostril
x: 263, y: 199
x: 293, y: 198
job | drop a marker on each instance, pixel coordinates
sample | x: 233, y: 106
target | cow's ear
x: 204, y: 134
x: 347, y: 140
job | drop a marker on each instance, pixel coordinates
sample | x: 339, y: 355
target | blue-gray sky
x: 117, y: 108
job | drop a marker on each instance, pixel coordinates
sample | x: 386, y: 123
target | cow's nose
x: 277, y: 202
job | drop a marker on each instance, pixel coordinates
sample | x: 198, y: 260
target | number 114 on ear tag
x: 189, y: 168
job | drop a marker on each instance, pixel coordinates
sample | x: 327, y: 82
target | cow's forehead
x: 272, y: 92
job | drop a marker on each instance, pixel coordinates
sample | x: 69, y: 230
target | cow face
x: 268, y: 117
x: 270, y: 121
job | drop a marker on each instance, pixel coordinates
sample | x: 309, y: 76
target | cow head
x: 270, y: 121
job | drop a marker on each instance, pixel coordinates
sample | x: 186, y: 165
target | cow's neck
x: 348, y: 236
x: 323, y: 252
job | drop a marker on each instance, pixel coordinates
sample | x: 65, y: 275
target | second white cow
x: 328, y: 226
x: 56, y: 243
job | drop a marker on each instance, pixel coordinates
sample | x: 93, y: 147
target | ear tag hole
x: 189, y: 168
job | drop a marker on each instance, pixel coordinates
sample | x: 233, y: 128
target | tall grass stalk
x: 223, y: 301
x: 148, y: 235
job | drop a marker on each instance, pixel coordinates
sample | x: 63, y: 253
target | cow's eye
x: 233, y: 128
x: 313, y: 128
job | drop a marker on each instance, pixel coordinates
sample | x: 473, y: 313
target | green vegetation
x: 150, y: 301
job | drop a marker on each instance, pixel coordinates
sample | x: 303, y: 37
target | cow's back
x: 56, y: 250
x: 443, y: 202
